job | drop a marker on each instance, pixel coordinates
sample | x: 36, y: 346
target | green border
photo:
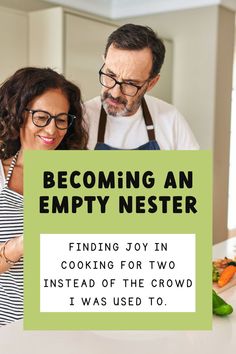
x: 112, y: 222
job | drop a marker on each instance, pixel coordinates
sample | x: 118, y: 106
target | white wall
x: 232, y: 177
x: 223, y: 91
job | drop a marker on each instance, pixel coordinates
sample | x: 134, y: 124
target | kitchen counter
x: 221, y: 339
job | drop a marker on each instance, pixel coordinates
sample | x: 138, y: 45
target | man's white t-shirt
x: 171, y: 129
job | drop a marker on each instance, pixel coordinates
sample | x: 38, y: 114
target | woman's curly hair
x: 19, y: 90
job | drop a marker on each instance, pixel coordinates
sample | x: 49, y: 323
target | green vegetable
x: 215, y: 273
x: 219, y: 306
x: 232, y: 263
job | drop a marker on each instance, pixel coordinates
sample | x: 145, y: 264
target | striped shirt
x: 11, y: 225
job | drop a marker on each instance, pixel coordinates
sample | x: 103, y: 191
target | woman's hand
x: 19, y: 246
x: 10, y: 252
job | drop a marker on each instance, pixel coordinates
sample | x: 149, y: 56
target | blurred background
x: 198, y: 77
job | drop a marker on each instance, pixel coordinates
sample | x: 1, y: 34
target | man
x: 124, y: 117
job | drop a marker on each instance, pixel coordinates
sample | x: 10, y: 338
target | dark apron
x: 152, y: 144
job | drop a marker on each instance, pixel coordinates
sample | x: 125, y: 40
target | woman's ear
x: 153, y: 82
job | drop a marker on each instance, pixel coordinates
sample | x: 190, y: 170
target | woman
x: 39, y: 109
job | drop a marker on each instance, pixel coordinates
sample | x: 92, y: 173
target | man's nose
x: 116, y: 91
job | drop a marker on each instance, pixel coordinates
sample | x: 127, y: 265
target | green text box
x: 112, y: 221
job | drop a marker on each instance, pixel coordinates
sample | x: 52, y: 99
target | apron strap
x: 10, y: 170
x: 102, y: 125
x: 148, y: 121
x: 147, y: 118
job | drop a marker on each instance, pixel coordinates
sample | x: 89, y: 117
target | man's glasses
x: 127, y: 89
x: 42, y: 119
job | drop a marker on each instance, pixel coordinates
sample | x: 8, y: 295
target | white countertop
x: 222, y: 338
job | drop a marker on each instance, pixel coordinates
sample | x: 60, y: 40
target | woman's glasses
x: 42, y: 119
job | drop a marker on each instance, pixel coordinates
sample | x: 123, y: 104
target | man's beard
x: 113, y: 111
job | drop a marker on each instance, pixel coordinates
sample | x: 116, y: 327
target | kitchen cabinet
x: 13, y: 39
